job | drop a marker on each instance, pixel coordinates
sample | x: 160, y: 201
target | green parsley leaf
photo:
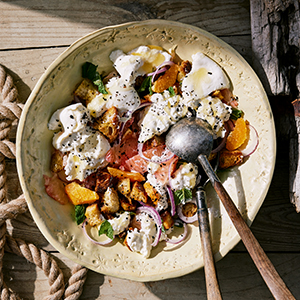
x: 146, y: 86
x: 180, y: 196
x: 172, y: 92
x: 80, y: 213
x: 106, y: 228
x: 236, y: 114
x: 90, y: 72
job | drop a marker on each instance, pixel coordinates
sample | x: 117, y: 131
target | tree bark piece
x: 275, y: 27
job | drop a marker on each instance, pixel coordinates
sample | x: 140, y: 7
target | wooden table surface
x: 33, y: 33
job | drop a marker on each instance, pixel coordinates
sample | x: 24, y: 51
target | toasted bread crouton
x: 56, y: 163
x: 230, y: 158
x: 167, y: 219
x: 103, y: 181
x: 86, y: 91
x: 93, y: 215
x: 109, y: 124
x: 110, y: 201
x: 166, y: 80
x: 127, y: 204
x: 133, y: 176
x: 184, y: 68
x: 79, y: 194
x: 153, y: 194
x: 138, y: 192
x: 189, y: 209
x: 124, y: 186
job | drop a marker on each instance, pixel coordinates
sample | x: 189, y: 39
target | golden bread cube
x: 86, y: 91
x: 93, y: 215
x: 124, y: 186
x: 138, y: 192
x: 110, y: 201
x: 109, y: 124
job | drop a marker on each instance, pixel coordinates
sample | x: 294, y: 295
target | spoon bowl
x: 190, y: 137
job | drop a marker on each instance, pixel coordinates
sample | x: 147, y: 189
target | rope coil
x: 10, y: 111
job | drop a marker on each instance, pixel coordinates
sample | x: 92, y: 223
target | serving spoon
x: 192, y: 140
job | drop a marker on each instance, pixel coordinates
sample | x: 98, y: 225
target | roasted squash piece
x: 80, y: 195
x: 133, y: 176
x: 153, y: 194
x: 166, y: 80
x: 238, y: 135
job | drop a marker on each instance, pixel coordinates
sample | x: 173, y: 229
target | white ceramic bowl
x: 247, y: 184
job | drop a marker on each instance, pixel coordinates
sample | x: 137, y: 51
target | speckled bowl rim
x: 19, y: 153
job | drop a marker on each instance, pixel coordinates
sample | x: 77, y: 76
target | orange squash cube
x: 80, y: 195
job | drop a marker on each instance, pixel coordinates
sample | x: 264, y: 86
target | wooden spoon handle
x: 274, y: 282
x: 212, y: 285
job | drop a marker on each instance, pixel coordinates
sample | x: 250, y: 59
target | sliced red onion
x: 252, y: 142
x: 223, y: 141
x: 172, y: 201
x: 185, y: 219
x: 156, y: 217
x: 106, y: 242
x: 157, y: 71
x: 182, y: 237
x: 164, y: 64
x: 166, y: 155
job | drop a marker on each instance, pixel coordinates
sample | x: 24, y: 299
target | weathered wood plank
x: 236, y: 273
x: 31, y: 24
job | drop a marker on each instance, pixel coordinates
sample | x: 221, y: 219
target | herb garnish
x: 146, y: 85
x: 80, y: 213
x: 236, y: 113
x: 90, y: 72
x: 106, y: 228
x: 180, y: 196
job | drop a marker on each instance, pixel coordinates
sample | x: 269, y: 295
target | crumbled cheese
x: 205, y: 77
x: 164, y: 111
x: 215, y: 112
x: 98, y: 105
x: 120, y: 222
x: 123, y: 96
x: 85, y: 146
x: 140, y: 240
x: 185, y: 177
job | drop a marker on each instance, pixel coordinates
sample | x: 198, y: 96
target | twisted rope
x: 10, y: 111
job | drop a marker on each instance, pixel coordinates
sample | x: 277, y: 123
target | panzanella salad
x: 109, y: 155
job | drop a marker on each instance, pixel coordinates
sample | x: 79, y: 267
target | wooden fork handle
x: 268, y: 272
x: 212, y: 284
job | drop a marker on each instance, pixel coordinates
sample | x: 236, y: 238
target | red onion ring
x: 166, y: 63
x: 106, y: 242
x: 252, y: 142
x: 183, y: 217
x: 157, y: 219
x: 166, y: 155
x: 157, y: 71
x: 172, y: 201
x: 182, y: 237
x: 223, y: 141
